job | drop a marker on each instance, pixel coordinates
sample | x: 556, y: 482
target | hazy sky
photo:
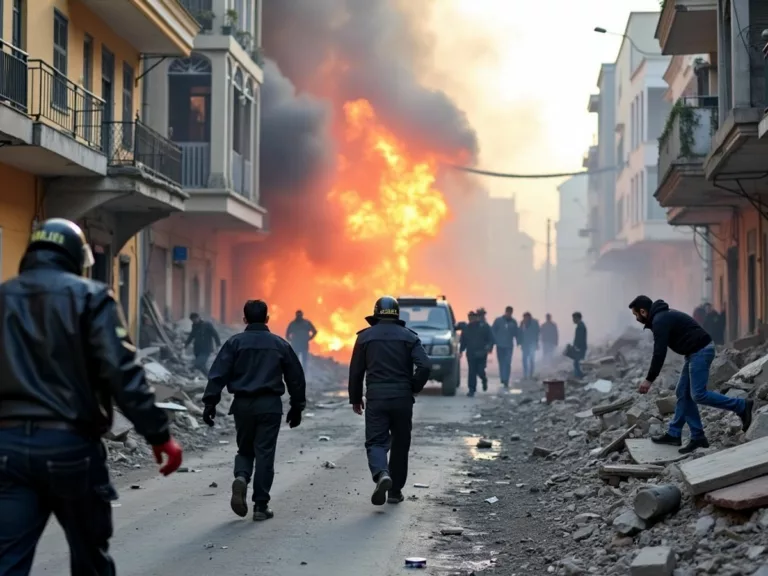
x: 523, y: 71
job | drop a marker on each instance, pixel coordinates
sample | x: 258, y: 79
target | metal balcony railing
x: 13, y: 76
x: 195, y: 164
x: 134, y: 143
x: 56, y: 99
x: 688, y: 134
x: 202, y: 10
x: 241, y: 174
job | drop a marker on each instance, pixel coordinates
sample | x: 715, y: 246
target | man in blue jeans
x: 683, y: 335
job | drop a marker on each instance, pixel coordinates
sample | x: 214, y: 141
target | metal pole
x: 549, y: 264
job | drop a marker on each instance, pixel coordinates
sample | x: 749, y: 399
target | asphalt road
x: 324, y: 522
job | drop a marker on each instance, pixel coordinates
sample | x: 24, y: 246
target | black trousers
x: 256, y: 445
x: 388, y: 429
x: 476, y: 366
x: 46, y: 471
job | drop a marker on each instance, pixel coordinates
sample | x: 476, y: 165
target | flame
x: 389, y: 204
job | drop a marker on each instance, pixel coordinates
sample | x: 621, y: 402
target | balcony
x: 135, y: 146
x: 158, y: 27
x: 688, y: 27
x: 195, y: 164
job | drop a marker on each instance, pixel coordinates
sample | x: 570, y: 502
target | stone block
x: 737, y: 393
x: 744, y: 496
x: 666, y: 405
x: 721, y: 370
x: 748, y: 342
x: 638, y: 413
x: 759, y: 427
x: 653, y: 561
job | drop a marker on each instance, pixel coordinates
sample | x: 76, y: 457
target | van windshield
x: 425, y: 317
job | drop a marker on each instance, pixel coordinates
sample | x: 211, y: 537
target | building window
x: 643, y: 204
x: 60, y: 49
x: 127, y: 106
x: 17, y: 24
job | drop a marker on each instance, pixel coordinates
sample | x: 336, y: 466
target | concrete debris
x: 602, y: 386
x: 666, y: 405
x: 452, y: 531
x: 483, y: 443
x: 329, y: 465
x: 653, y: 561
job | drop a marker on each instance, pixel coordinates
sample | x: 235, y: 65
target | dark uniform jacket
x: 476, y: 339
x: 299, y: 332
x: 203, y: 336
x: 674, y: 330
x: 65, y: 353
x: 580, y: 338
x: 384, y: 357
x: 252, y: 365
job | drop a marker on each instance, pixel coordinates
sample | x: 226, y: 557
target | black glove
x: 294, y: 417
x: 209, y: 413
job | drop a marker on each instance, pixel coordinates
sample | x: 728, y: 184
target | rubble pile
x: 595, y: 465
x: 179, y: 390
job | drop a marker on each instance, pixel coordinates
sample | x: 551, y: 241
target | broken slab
x: 120, y: 427
x: 644, y: 451
x: 744, y: 496
x: 638, y: 413
x: 747, y: 342
x: 653, y: 561
x: 666, y: 405
x: 629, y: 471
x: 619, y: 404
x: 157, y: 373
x: 618, y: 443
x: 759, y: 426
x: 753, y: 374
x: 727, y: 467
x: 721, y: 370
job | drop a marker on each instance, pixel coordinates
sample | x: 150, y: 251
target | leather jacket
x: 65, y: 354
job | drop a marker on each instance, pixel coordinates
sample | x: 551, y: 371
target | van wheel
x: 451, y: 383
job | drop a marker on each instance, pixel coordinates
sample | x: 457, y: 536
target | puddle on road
x: 482, y: 453
x: 336, y: 393
x: 515, y: 391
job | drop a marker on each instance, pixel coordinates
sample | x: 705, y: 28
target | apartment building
x: 643, y: 252
x: 73, y: 145
x: 713, y: 154
x: 208, y: 103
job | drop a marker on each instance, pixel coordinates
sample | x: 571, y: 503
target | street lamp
x: 600, y: 30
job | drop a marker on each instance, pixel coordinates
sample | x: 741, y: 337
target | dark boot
x: 383, y: 485
x: 666, y: 438
x: 395, y: 497
x: 746, y: 418
x: 262, y: 512
x: 239, y: 502
x: 485, y: 384
x: 693, y: 444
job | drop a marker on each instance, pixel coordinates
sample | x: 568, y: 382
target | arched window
x: 189, y: 100
x: 196, y: 64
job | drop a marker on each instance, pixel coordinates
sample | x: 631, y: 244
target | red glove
x: 173, y: 450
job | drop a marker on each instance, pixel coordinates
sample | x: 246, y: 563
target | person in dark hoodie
x: 204, y: 337
x: 683, y: 335
x: 579, y: 344
x: 384, y: 358
x: 477, y: 341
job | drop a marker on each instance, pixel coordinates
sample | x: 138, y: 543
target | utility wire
x: 531, y: 176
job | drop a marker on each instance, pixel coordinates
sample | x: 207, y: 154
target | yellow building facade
x: 70, y: 100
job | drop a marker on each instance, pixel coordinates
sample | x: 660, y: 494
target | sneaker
x: 262, y: 512
x: 693, y: 444
x: 746, y: 418
x: 238, y: 502
x: 383, y: 485
x: 667, y: 439
x: 395, y: 497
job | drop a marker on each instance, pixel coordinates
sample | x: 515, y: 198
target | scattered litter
x: 492, y: 500
x: 208, y: 545
x: 328, y: 464
x: 467, y: 491
x: 213, y: 485
x: 309, y: 414
x: 224, y: 547
x: 172, y: 406
x: 290, y: 461
x: 324, y: 439
x: 135, y: 487
x: 452, y: 531
x: 420, y: 485
x: 223, y: 441
x: 602, y: 386
x: 483, y: 443
x: 116, y: 504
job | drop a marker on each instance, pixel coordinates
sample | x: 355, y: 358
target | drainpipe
x: 144, y: 240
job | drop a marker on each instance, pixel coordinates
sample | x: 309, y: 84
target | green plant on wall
x: 688, y: 121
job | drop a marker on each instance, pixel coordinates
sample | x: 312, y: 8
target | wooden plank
x: 645, y: 451
x: 617, y: 443
x: 727, y: 467
x: 750, y: 494
x: 633, y: 470
x: 613, y: 406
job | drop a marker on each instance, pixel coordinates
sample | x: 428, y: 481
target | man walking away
x: 683, y: 335
x: 579, y: 344
x: 529, y: 342
x: 384, y: 358
x: 477, y: 341
x: 504, y: 333
x: 252, y: 365
x: 549, y: 338
x: 66, y: 356
x: 300, y: 333
x: 203, y: 337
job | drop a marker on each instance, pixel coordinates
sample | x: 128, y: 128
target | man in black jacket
x: 65, y: 356
x: 384, y: 358
x: 579, y: 344
x: 683, y: 335
x: 203, y: 337
x: 252, y: 365
x: 477, y: 340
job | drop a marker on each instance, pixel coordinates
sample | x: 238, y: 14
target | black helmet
x: 386, y: 307
x: 65, y: 237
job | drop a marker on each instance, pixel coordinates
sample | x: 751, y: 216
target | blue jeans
x: 504, y: 356
x: 529, y: 361
x: 44, y: 472
x: 303, y: 354
x: 577, y: 368
x: 692, y: 390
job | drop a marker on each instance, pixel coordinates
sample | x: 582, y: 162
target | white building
x: 209, y: 105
